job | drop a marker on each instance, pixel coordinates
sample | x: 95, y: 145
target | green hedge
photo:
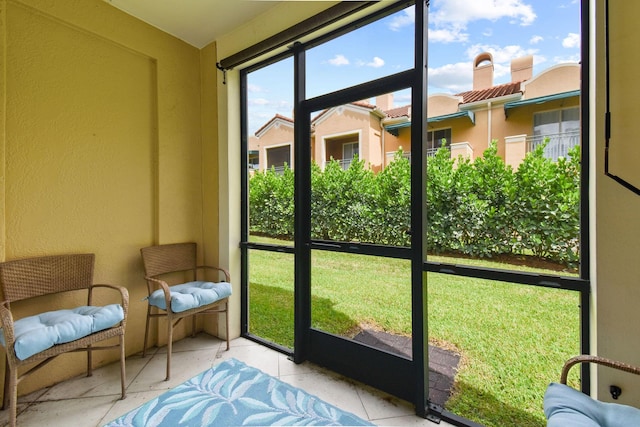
x: 480, y: 208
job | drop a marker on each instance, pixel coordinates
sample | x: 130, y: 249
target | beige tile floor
x: 94, y: 401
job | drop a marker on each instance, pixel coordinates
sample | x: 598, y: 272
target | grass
x: 513, y: 339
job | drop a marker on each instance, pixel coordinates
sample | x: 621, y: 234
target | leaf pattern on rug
x: 234, y: 394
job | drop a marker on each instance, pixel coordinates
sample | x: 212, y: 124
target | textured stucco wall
x: 106, y: 129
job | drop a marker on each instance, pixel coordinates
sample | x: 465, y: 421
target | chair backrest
x: 168, y: 258
x: 32, y: 277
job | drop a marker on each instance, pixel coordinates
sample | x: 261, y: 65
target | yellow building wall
x: 276, y: 136
x: 106, y: 146
x: 557, y: 79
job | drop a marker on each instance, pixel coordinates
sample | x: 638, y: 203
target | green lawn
x: 513, y: 339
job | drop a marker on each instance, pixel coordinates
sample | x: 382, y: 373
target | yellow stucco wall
x: 107, y: 144
x: 276, y: 135
x: 556, y: 79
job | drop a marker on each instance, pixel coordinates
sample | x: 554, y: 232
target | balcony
x: 558, y: 146
x: 344, y: 163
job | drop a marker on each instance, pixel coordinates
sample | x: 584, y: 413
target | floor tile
x: 379, y: 405
x: 253, y: 354
x: 94, y: 401
x: 69, y: 412
x: 331, y: 388
x: 104, y: 381
x: 184, y: 365
x: 132, y: 401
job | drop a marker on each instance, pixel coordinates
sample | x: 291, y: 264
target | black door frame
x: 405, y: 378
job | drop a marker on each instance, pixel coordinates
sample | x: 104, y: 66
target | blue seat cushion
x: 191, y: 295
x: 567, y: 407
x: 37, y: 333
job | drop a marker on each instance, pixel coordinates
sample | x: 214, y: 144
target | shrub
x: 271, y: 203
x: 481, y: 208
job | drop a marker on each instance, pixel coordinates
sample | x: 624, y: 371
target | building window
x: 560, y: 129
x: 342, y: 149
x: 254, y: 159
x: 278, y: 157
x: 437, y: 139
x: 349, y: 152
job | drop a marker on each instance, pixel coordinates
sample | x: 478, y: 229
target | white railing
x: 344, y: 163
x: 559, y: 143
x: 277, y: 169
x: 391, y: 155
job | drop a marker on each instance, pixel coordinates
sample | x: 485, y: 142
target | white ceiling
x: 197, y: 22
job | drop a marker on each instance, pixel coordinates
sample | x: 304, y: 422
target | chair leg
x: 123, y: 373
x: 146, y: 333
x: 13, y: 396
x: 89, y: 361
x: 169, y: 346
x: 7, y: 390
x: 226, y: 316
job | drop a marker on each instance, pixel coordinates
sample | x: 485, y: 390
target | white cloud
x: 448, y: 35
x: 259, y: 101
x: 339, y: 60
x: 461, y: 12
x: 501, y: 55
x: 406, y: 19
x: 377, y: 62
x: 536, y: 39
x: 253, y: 88
x: 564, y: 59
x: 453, y: 78
x: 449, y: 18
x: 572, y: 40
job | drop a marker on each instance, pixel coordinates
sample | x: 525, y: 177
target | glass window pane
x: 511, y: 340
x: 372, y: 51
x: 270, y: 151
x: 363, y: 298
x: 361, y: 176
x: 570, y: 120
x: 270, y: 308
x: 547, y: 123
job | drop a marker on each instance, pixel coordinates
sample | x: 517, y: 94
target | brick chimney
x: 384, y: 102
x: 522, y: 68
x: 483, y: 71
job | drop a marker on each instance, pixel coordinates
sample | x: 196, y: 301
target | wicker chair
x: 177, y: 301
x: 42, y: 337
x: 565, y: 406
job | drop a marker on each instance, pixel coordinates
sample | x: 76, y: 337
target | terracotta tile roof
x: 398, y: 111
x: 365, y: 104
x: 273, y: 119
x: 491, y: 92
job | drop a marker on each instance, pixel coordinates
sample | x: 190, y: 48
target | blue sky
x: 458, y: 31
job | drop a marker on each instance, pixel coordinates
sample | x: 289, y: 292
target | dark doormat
x: 443, y: 364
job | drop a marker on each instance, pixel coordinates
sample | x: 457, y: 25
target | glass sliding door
x: 358, y: 240
x: 438, y: 253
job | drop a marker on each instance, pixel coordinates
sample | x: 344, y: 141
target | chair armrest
x: 124, y: 295
x: 7, y: 325
x: 597, y: 360
x: 162, y: 285
x: 227, y: 276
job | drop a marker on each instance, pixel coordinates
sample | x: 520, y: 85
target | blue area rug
x: 234, y: 394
